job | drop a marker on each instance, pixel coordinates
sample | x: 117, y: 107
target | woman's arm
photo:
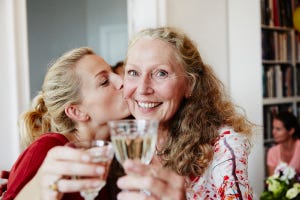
x: 59, y: 165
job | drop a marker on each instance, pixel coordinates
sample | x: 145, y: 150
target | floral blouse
x: 227, y: 175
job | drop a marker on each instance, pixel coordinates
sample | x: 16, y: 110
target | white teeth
x: 147, y: 105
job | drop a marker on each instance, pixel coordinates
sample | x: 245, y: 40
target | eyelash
x: 104, y: 83
x: 132, y: 73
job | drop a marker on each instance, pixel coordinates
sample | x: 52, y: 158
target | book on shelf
x: 277, y: 45
x: 288, y: 81
x: 277, y: 81
x: 277, y: 13
x: 297, y: 36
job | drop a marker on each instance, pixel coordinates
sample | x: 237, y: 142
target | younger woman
x: 79, y: 95
x: 286, y: 133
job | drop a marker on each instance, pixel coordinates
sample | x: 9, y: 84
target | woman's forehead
x: 152, y: 52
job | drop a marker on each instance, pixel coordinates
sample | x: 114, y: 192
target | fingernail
x: 85, y: 158
x: 120, y: 182
x: 119, y: 196
x: 97, y: 184
x: 99, y: 170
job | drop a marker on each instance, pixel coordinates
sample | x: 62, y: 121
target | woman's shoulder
x: 232, y: 140
x: 298, y: 145
x: 39, y: 148
x: 229, y: 134
x: 42, y: 145
x: 274, y: 148
x: 52, y: 137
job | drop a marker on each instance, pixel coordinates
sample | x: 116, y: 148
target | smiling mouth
x: 147, y: 105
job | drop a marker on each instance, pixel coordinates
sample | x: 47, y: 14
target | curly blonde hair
x: 194, y: 128
x: 61, y: 87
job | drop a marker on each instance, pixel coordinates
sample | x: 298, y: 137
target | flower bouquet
x: 283, y: 184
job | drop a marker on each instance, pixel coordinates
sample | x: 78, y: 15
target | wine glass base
x: 89, y: 195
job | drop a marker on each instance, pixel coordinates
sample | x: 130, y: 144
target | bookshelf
x: 280, y: 62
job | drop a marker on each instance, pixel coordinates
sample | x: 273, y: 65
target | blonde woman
x: 79, y: 95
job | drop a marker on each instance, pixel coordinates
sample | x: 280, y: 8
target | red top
x: 29, y: 162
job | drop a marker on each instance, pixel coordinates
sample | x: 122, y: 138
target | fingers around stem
x: 62, y: 163
x: 162, y: 183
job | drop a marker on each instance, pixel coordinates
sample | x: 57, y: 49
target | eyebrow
x: 100, y: 73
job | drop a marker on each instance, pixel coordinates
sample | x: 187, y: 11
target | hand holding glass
x: 102, y: 153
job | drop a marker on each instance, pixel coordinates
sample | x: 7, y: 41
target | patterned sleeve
x: 229, y: 170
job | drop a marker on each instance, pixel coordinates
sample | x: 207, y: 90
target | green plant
x: 284, y: 184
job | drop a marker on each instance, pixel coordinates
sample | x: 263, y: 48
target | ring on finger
x: 54, y: 186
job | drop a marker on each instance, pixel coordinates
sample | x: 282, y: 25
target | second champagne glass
x: 102, y: 153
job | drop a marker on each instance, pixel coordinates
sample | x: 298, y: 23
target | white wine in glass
x: 134, y: 139
x: 102, y: 153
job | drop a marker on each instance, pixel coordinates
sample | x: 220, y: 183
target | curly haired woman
x: 202, y: 135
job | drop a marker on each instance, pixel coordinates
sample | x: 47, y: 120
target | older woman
x: 202, y: 137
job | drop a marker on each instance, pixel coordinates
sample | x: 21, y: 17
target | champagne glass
x: 134, y: 139
x: 102, y: 153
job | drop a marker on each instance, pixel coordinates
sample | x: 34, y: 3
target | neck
x: 289, y: 144
x: 90, y: 132
x: 162, y: 137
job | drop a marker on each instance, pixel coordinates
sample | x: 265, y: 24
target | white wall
x: 53, y: 28
x: 14, y: 83
x: 206, y: 23
x: 244, y: 54
x: 58, y: 26
x: 228, y: 36
x: 107, y: 28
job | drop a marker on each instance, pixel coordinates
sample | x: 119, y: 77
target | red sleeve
x: 29, y: 162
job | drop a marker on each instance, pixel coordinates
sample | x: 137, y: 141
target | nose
x: 117, y: 81
x: 145, y: 85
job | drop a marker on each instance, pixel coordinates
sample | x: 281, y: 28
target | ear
x: 292, y: 131
x: 75, y: 113
x: 190, y: 88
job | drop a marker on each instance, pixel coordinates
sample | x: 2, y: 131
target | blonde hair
x: 194, y: 128
x: 61, y: 87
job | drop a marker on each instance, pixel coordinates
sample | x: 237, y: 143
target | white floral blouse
x: 227, y: 176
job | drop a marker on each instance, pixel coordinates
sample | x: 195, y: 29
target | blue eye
x: 132, y: 73
x: 159, y: 74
